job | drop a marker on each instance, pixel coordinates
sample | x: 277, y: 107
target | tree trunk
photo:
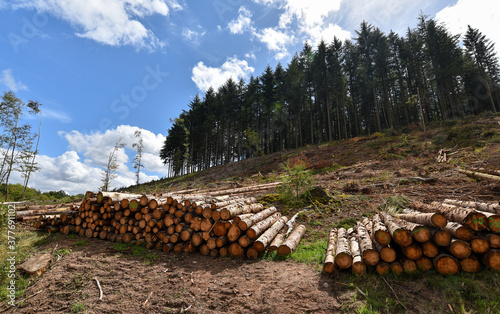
x: 492, y: 259
x: 494, y: 240
x: 480, y: 175
x: 280, y: 237
x: 424, y: 264
x: 397, y: 268
x: 358, y: 266
x: 479, y: 245
x: 257, y: 229
x: 491, y: 208
x: 383, y: 268
x: 412, y: 252
x: 231, y: 211
x: 292, y: 241
x: 471, y: 219
x: 430, y: 249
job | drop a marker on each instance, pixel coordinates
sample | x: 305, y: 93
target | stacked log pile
x: 230, y: 225
x: 34, y: 212
x: 450, y: 237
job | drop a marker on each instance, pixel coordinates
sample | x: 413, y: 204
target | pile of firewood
x: 34, y: 212
x: 452, y: 236
x: 226, y: 225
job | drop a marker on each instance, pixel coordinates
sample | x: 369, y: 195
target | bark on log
x: 472, y: 219
x: 229, y: 212
x: 358, y: 266
x: 486, y: 207
x: 329, y: 264
x: 292, y: 241
x: 263, y: 241
x: 368, y: 253
x: 343, y: 258
x: 459, y: 231
x: 480, y: 175
x: 280, y: 237
x: 399, y: 234
x: 435, y: 220
x: 257, y: 229
x: 244, y: 224
x: 380, y: 231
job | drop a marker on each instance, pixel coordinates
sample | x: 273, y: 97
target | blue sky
x: 103, y: 69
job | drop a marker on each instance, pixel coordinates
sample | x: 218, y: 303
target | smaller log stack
x: 224, y: 225
x: 450, y: 237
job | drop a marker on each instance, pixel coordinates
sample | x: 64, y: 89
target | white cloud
x: 204, y: 76
x: 194, y: 36
x: 112, y: 22
x: 301, y: 21
x: 242, y: 23
x: 250, y: 55
x: 466, y: 12
x: 8, y: 80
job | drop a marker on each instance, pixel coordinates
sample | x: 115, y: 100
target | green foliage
x: 347, y: 223
x: 79, y: 308
x: 296, y: 181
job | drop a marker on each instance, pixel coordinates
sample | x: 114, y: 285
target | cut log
x: 397, y: 268
x: 380, y: 231
x: 441, y: 237
x: 424, y: 264
x: 343, y: 258
x: 412, y: 251
x: 492, y: 259
x: 246, y: 223
x: 252, y: 252
x: 229, y: 212
x: 487, y: 207
x: 420, y: 233
x: 430, y: 249
x: 459, y: 231
x: 329, y: 264
x: 280, y: 237
x: 235, y: 250
x: 257, y: 229
x: 470, y: 264
x: 399, y: 234
x: 292, y: 241
x: 472, y: 219
x: 460, y: 249
x: 436, y: 220
x: 358, y: 266
x: 409, y: 266
x: 479, y: 245
x: 494, y: 240
x: 263, y: 241
x: 36, y: 265
x: 383, y: 268
x: 480, y: 175
x: 369, y: 254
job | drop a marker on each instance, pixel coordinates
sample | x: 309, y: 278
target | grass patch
x: 82, y: 242
x: 79, y: 308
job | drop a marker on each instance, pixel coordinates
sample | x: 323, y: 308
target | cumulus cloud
x: 300, y: 21
x: 8, y: 80
x: 465, y: 12
x: 205, y: 77
x: 70, y: 173
x: 113, y: 22
x: 242, y: 23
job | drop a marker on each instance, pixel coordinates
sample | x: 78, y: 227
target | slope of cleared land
x: 358, y: 173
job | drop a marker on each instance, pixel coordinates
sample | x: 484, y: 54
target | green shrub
x: 297, y: 181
